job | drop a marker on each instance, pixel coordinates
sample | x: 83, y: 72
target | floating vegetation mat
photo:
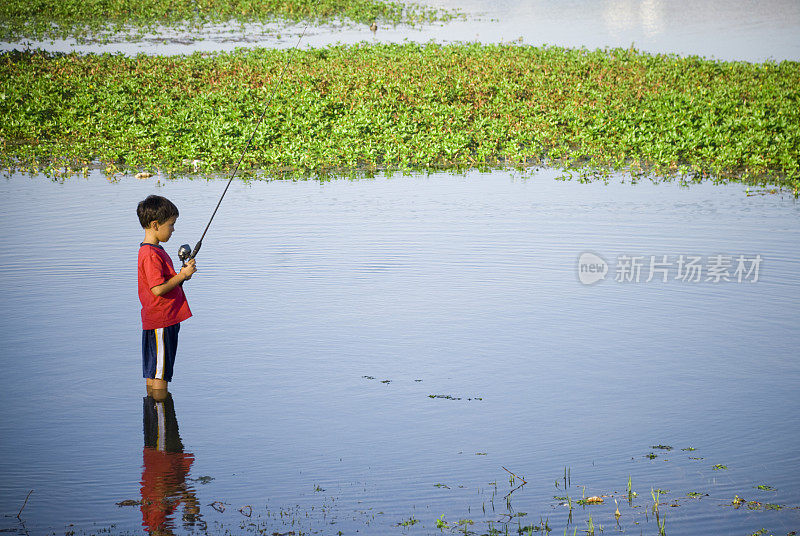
x: 97, y: 20
x: 411, y: 107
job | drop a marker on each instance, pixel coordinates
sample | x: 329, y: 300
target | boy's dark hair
x: 155, y: 208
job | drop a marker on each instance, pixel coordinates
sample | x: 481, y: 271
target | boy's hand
x: 188, y: 270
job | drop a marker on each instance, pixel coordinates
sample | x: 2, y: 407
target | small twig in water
x: 515, y: 476
x: 23, y: 504
x: 513, y: 490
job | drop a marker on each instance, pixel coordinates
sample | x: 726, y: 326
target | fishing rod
x: 185, y: 252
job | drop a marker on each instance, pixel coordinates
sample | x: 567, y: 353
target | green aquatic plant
x: 655, y: 494
x: 755, y: 505
x: 408, y: 522
x: 528, y: 530
x: 87, y: 21
x: 662, y: 525
x: 764, y: 487
x: 590, y: 529
x: 360, y: 109
x: 631, y: 494
x: 464, y: 524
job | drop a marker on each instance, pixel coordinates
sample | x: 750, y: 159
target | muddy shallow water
x: 327, y: 314
x: 726, y: 30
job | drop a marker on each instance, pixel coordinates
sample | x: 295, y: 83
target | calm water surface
x: 723, y: 29
x: 326, y: 314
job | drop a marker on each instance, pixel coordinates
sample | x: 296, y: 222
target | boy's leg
x: 158, y: 356
x: 151, y: 384
x: 158, y: 385
x: 156, y: 389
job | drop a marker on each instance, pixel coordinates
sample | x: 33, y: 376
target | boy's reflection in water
x: 165, y: 469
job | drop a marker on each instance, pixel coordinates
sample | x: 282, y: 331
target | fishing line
x: 185, y: 253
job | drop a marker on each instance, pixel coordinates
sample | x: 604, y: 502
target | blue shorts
x: 158, y: 352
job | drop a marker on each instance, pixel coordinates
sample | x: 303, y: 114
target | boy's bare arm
x: 185, y: 274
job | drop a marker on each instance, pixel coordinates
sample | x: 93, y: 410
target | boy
x: 164, y: 304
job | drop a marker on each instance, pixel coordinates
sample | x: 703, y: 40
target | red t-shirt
x: 155, y: 268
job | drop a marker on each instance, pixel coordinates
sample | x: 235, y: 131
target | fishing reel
x: 185, y: 253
